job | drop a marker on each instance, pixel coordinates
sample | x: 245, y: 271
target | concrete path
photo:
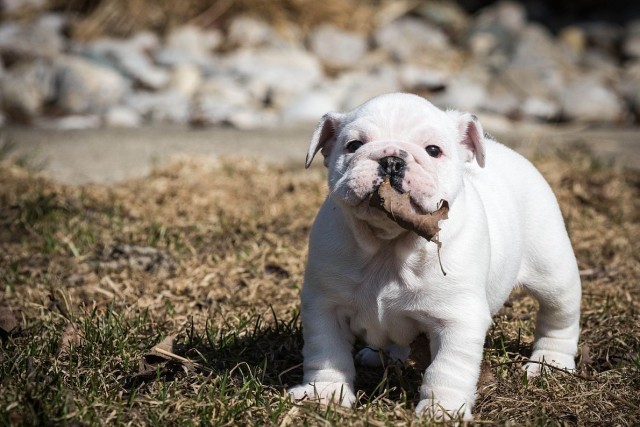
x: 111, y: 155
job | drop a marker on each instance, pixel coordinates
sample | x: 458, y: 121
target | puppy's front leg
x: 449, y: 383
x: 329, y: 370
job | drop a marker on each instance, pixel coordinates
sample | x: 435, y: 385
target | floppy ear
x: 471, y: 136
x: 324, y: 137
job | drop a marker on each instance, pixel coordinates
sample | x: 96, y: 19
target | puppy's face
x: 418, y: 147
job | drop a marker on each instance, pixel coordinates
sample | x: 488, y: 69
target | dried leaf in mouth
x: 397, y: 206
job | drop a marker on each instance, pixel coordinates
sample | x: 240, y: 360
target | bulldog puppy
x: 367, y: 277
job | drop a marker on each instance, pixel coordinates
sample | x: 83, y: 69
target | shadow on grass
x: 271, y: 350
x: 267, y: 353
x: 270, y: 353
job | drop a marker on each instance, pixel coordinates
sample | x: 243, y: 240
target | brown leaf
x: 71, y: 336
x: 8, y: 321
x: 166, y: 345
x: 397, y: 207
x: 160, y: 361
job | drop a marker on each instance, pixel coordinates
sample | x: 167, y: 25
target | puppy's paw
x: 541, y: 357
x: 436, y: 411
x: 324, y: 393
x: 370, y: 357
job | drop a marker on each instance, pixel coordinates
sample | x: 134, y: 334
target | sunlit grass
x: 213, y: 256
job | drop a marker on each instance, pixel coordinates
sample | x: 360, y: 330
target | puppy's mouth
x: 365, y: 204
x: 414, y: 204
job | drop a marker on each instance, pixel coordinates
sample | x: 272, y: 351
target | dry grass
x: 96, y: 277
x: 92, y: 18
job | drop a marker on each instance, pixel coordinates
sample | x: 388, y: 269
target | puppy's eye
x: 434, y: 151
x: 353, y: 146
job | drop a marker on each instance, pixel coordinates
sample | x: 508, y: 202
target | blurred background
x: 266, y: 64
x: 258, y: 63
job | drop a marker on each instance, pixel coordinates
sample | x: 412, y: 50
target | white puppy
x: 368, y: 277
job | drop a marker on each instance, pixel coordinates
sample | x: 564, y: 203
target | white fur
x: 368, y: 277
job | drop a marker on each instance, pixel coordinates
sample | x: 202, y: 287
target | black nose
x: 392, y: 166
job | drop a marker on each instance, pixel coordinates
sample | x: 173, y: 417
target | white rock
x: 144, y: 41
x: 357, y: 87
x: 284, y: 73
x: 247, y: 32
x: 228, y: 88
x: 338, y: 48
x: 221, y: 97
x: 511, y: 15
x: 73, y: 122
x: 131, y: 57
x: 41, y: 38
x: 25, y: 88
x: 414, y: 77
x: 495, y: 31
x: 483, y: 43
x: 12, y: 6
x: 408, y: 38
x: 500, y: 100
x: 540, y: 108
x: 21, y: 100
x: 252, y: 119
x: 537, y: 48
x: 122, y: 117
x: 538, y: 68
x: 166, y: 106
x: 189, y: 44
x: 87, y: 87
x: 504, y: 17
x: 600, y: 65
x: 309, y: 107
x: 141, y: 69
x: 527, y: 81
x: 446, y: 15
x: 462, y: 93
x: 185, y: 78
x: 587, y: 100
x: 495, y: 123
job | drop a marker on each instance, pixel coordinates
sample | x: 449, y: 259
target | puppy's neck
x: 372, y: 234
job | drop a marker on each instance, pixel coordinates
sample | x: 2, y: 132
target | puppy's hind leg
x: 555, y: 283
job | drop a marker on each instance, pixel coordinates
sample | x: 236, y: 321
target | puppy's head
x: 420, y: 148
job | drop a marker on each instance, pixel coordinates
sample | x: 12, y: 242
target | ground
x: 173, y: 299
